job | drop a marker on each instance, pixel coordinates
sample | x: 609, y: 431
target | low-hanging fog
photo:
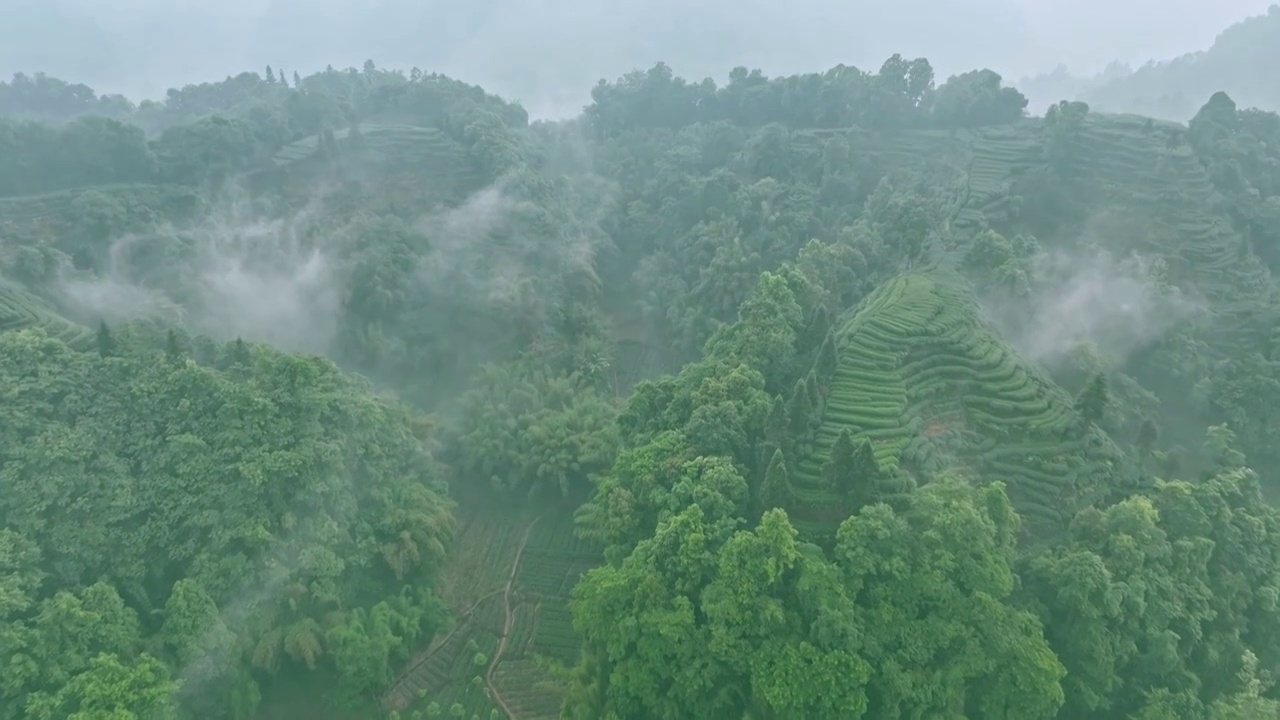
x: 549, y: 54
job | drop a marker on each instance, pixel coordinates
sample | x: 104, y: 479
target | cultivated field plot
x: 971, y: 171
x: 1148, y: 168
x: 997, y: 155
x: 933, y: 389
x: 508, y: 584
x: 434, y: 158
x: 20, y: 310
x: 53, y: 218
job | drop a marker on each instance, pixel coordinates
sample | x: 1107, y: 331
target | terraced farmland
x: 996, y: 155
x: 20, y: 310
x: 1139, y: 156
x: 434, y: 157
x: 1141, y: 167
x: 508, y: 584
x: 56, y: 217
x: 934, y: 390
x: 1147, y: 170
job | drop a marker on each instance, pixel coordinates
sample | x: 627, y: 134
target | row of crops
x: 508, y: 584
x: 997, y: 155
x: 971, y: 170
x: 1150, y: 164
x: 1144, y: 157
x: 934, y: 390
x: 73, y: 220
x: 542, y: 630
x: 20, y: 310
x: 420, y: 156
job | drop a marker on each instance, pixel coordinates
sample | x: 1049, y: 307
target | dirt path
x: 401, y: 692
x: 506, y: 625
x: 431, y: 649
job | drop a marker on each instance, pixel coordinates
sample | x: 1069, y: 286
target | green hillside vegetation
x: 934, y: 391
x: 847, y: 394
x: 51, y: 232
x: 508, y: 584
x: 394, y: 142
x: 305, y: 535
x: 436, y: 161
x: 20, y: 310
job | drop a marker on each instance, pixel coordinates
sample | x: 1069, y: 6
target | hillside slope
x: 1132, y: 187
x: 20, y: 310
x: 934, y: 390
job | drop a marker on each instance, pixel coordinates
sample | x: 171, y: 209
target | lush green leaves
x: 168, y: 490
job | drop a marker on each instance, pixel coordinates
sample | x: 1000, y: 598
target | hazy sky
x: 548, y: 53
x: 1087, y: 34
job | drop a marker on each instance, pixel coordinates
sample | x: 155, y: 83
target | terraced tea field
x: 971, y: 171
x: 434, y: 158
x: 55, y: 218
x: 935, y: 390
x: 508, y: 584
x: 20, y: 310
x: 997, y: 155
x: 1143, y: 169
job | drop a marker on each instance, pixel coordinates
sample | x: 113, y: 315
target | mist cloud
x: 1117, y: 305
x: 231, y: 276
x: 501, y: 250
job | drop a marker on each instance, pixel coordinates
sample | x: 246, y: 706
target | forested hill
x: 840, y: 395
x: 1238, y: 62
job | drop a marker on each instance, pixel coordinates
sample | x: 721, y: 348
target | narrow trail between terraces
x: 405, y: 689
x: 506, y: 625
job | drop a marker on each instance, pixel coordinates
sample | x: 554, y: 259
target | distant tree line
x: 901, y: 94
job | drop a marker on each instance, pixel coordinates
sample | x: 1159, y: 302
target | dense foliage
x: 837, y: 395
x: 236, y: 521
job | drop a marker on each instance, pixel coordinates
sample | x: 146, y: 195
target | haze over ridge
x: 549, y: 54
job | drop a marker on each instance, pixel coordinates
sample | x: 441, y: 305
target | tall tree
x: 1093, y: 399
x: 775, y: 490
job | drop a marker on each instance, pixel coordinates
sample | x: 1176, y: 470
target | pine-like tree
x: 270, y: 76
x: 853, y: 471
x: 800, y: 411
x: 1148, y: 436
x: 1093, y: 399
x: 173, y: 348
x: 839, y: 472
x: 827, y: 360
x: 817, y: 329
x: 775, y: 423
x: 106, y: 341
x: 776, y: 490
x: 238, y: 353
